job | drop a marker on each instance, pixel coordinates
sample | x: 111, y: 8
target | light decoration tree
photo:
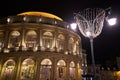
x: 90, y: 23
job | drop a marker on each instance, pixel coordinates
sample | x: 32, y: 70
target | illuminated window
x: 47, y: 39
x: 8, y: 70
x: 61, y: 69
x: 31, y: 39
x: 71, y: 45
x: 27, y: 69
x: 14, y: 39
x: 72, y: 70
x: 45, y: 69
x: 60, y: 42
x: 46, y: 62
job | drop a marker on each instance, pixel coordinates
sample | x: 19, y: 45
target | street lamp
x: 73, y: 26
x: 112, y: 21
x: 90, y: 22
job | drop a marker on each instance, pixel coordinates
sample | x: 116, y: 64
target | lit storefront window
x: 61, y: 69
x: 60, y: 42
x: 47, y: 39
x: 8, y: 70
x: 31, y: 39
x: 45, y: 69
x: 27, y: 69
x: 72, y: 70
x: 14, y: 39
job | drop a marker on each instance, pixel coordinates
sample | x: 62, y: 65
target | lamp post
x: 90, y: 22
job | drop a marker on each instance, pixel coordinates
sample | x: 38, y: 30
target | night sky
x: 106, y: 45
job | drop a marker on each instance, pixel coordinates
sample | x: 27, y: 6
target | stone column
x: 78, y: 69
x: 37, y: 69
x: 38, y: 39
x: 66, y: 42
x: 67, y: 70
x: 22, y: 44
x: 6, y: 39
x: 18, y: 68
x: 41, y: 39
x: 54, y: 69
x: 55, y: 41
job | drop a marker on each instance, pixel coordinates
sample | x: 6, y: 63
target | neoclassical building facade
x: 39, y: 46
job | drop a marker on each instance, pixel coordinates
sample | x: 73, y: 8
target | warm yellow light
x: 44, y: 14
x: 118, y: 73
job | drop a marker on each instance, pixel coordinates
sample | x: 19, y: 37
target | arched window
x: 72, y: 70
x: 27, y: 69
x: 1, y: 40
x: 14, y: 39
x: 47, y: 39
x: 76, y: 48
x: 46, y: 62
x: 60, y: 42
x: 61, y: 69
x: 8, y: 70
x: 45, y: 69
x: 71, y: 45
x: 31, y: 39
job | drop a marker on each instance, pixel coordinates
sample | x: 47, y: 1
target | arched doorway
x: 72, y: 70
x: 8, y: 70
x: 27, y: 69
x: 61, y: 69
x: 45, y: 69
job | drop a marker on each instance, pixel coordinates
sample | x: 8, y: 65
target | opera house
x: 39, y: 46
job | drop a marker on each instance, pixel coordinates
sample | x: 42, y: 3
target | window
x: 45, y: 69
x: 61, y: 69
x: 47, y: 39
x: 71, y: 45
x: 8, y: 70
x: 27, y: 69
x: 60, y: 42
x: 14, y: 39
x: 72, y: 70
x: 31, y: 39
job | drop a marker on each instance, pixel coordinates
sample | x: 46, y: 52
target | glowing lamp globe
x: 73, y: 26
x: 112, y: 21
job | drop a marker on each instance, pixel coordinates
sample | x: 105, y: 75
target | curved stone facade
x: 38, y: 48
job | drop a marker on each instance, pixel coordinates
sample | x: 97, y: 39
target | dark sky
x: 106, y: 45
